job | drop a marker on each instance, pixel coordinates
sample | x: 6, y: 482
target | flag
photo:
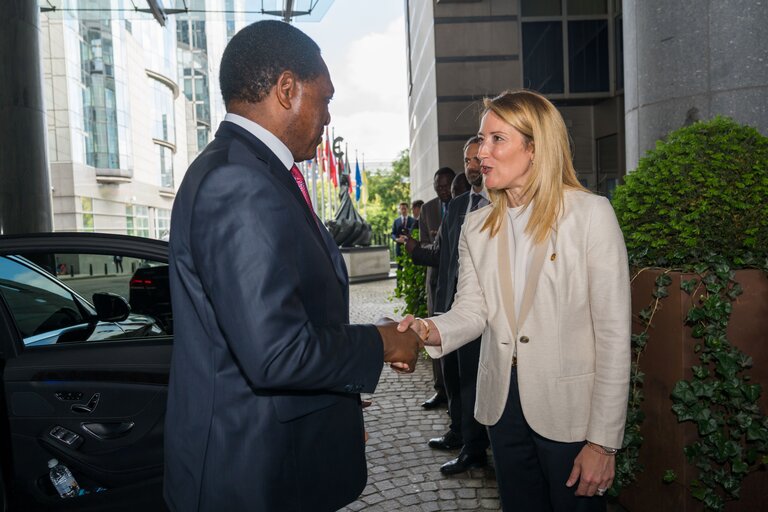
x: 321, y: 171
x: 358, y: 180
x: 330, y: 164
x: 348, y: 170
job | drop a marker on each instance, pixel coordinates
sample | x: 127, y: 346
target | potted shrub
x: 695, y: 219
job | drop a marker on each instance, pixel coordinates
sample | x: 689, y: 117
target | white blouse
x: 520, y: 249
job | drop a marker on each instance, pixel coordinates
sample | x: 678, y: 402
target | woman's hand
x: 424, y: 329
x: 594, y: 472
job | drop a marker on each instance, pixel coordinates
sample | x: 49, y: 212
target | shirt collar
x: 274, y: 144
x: 483, y: 193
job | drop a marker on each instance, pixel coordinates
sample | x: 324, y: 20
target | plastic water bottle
x: 62, y: 479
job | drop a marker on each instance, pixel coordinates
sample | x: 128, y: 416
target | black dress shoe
x: 436, y: 401
x: 449, y: 441
x: 464, y: 462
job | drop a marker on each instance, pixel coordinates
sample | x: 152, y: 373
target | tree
x: 386, y: 190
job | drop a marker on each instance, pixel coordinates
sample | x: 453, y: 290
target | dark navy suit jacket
x: 444, y: 252
x: 263, y: 404
x: 397, y: 229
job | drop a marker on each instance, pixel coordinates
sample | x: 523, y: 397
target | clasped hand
x: 401, y: 348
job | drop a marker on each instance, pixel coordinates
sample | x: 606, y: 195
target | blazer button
x: 524, y: 339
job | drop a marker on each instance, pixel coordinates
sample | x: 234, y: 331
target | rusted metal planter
x: 668, y: 358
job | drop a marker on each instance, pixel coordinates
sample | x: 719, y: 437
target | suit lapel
x: 280, y: 173
x: 507, y: 281
x: 532, y: 281
x: 505, y: 278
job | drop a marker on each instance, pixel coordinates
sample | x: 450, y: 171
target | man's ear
x: 285, y: 89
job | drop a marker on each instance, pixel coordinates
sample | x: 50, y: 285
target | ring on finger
x: 601, y: 491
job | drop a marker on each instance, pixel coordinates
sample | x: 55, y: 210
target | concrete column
x: 25, y: 191
x: 690, y: 60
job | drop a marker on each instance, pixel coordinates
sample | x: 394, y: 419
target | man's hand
x: 401, y: 349
x: 409, y: 243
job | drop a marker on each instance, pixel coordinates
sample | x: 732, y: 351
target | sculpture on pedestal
x: 348, y: 228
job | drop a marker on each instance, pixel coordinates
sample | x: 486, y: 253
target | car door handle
x: 108, y: 430
x: 87, y: 408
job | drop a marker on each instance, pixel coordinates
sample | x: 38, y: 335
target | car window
x: 38, y: 304
x: 51, y: 297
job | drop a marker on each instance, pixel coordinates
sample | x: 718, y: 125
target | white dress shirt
x: 274, y: 144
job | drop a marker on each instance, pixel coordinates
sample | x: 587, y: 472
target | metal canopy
x: 160, y: 10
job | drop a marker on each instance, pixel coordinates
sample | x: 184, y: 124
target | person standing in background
x: 432, y: 214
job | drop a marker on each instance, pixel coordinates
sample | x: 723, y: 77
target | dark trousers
x: 437, y: 373
x: 531, y: 471
x: 460, y: 377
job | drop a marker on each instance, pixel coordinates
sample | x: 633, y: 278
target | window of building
x: 229, y: 6
x: 137, y: 220
x: 165, y: 164
x: 164, y: 126
x: 162, y: 223
x: 543, y: 56
x: 87, y: 209
x: 99, y: 105
x: 588, y: 56
x: 541, y: 7
x: 567, y: 47
x: 618, y: 37
x: 203, y: 134
x: 607, y: 164
x: 587, y: 7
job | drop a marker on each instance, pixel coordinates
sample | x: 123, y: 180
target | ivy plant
x: 697, y: 203
x: 410, y: 287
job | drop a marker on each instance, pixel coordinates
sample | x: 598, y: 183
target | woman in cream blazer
x: 548, y: 259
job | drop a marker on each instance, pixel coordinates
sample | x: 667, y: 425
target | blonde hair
x: 552, y: 171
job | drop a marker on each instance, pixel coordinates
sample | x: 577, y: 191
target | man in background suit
x: 263, y: 401
x: 416, y: 212
x: 459, y: 367
x: 429, y: 222
x: 402, y: 225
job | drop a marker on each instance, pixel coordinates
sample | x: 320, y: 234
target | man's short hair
x: 445, y: 171
x: 257, y: 55
x: 417, y: 204
x: 472, y: 140
x: 404, y: 203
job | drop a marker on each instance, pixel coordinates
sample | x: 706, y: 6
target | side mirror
x: 111, y: 307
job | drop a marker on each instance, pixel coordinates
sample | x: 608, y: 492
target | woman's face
x: 505, y: 158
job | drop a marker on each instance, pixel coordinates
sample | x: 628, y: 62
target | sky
x: 363, y: 43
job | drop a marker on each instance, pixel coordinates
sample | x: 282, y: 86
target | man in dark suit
x: 431, y: 216
x: 402, y: 225
x: 264, y: 406
x: 459, y: 367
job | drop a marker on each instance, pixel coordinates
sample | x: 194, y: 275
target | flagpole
x: 365, y: 197
x: 313, y: 167
x: 335, y: 196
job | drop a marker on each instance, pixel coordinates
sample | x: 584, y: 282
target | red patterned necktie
x: 302, y: 185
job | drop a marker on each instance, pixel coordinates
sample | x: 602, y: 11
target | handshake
x: 402, y: 342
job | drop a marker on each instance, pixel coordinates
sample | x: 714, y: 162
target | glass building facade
x: 130, y: 103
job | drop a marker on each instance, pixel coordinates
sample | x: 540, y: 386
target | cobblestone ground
x: 403, y: 472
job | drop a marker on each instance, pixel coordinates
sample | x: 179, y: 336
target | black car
x: 150, y: 294
x: 84, y: 382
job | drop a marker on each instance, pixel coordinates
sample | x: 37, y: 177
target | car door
x: 79, y: 385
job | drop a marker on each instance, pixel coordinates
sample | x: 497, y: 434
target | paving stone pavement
x: 403, y: 472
